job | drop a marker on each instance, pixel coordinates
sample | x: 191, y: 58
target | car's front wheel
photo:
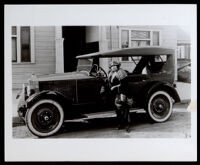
x: 160, y: 106
x: 45, y: 118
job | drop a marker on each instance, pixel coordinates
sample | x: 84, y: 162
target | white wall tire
x: 160, y: 106
x: 45, y: 118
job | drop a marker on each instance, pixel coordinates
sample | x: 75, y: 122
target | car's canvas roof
x: 142, y: 51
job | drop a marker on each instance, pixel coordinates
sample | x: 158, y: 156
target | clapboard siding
x: 44, y: 57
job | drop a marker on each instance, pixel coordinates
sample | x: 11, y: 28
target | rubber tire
x: 152, y: 117
x: 29, y: 115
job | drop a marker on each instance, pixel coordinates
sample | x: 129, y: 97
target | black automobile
x: 47, y: 101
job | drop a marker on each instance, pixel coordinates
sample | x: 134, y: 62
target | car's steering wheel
x: 101, y: 73
x: 98, y: 71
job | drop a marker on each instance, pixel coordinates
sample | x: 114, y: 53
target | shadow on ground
x: 102, y: 123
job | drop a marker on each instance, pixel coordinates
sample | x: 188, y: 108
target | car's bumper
x: 22, y: 108
x: 22, y: 105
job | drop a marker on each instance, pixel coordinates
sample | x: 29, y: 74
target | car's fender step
x: 106, y: 114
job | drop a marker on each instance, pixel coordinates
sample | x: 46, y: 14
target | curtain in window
x: 144, y: 43
x: 140, y: 34
x: 156, y: 38
x: 25, y: 44
x: 14, y: 49
x: 140, y: 43
x: 134, y: 43
x: 14, y: 30
x: 125, y: 39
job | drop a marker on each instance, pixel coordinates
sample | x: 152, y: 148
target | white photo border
x: 98, y: 149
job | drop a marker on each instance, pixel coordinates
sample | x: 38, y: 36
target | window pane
x: 25, y: 44
x: 125, y: 39
x: 125, y: 59
x: 155, y: 38
x: 140, y: 43
x: 140, y: 34
x: 14, y: 30
x: 161, y: 58
x: 14, y: 49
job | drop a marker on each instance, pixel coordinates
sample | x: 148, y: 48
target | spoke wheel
x: 160, y: 106
x: 45, y: 118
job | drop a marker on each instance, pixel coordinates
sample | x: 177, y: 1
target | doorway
x: 75, y: 39
x: 74, y: 44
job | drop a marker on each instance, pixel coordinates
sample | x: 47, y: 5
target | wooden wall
x: 44, y: 57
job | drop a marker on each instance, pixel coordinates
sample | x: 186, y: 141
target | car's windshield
x: 84, y: 64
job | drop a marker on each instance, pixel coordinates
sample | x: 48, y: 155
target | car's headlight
x: 33, y: 85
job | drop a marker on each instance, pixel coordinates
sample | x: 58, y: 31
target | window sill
x: 22, y: 63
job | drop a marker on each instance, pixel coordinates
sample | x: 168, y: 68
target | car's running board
x: 104, y: 114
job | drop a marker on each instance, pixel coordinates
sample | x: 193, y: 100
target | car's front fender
x: 54, y: 95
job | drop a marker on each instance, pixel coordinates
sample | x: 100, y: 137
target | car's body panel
x: 62, y: 76
x: 66, y: 87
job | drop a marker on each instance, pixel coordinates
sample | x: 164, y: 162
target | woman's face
x: 114, y: 68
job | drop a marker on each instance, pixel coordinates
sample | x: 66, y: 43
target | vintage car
x: 49, y: 100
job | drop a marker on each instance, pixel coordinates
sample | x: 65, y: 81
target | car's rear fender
x: 161, y: 86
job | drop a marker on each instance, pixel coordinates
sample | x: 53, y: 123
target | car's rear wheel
x: 45, y: 118
x: 160, y: 106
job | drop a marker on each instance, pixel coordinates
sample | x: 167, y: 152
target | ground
x: 178, y: 126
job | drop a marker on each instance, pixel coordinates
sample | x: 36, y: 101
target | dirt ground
x: 178, y: 126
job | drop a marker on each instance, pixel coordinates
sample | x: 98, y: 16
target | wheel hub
x: 159, y: 106
x: 45, y: 117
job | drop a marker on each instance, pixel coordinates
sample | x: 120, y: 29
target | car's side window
x: 156, y: 64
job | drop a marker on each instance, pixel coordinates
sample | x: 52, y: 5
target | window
x: 155, y: 38
x: 138, y: 38
x: 14, y: 44
x: 22, y: 44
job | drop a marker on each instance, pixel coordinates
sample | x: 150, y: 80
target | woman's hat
x: 114, y: 63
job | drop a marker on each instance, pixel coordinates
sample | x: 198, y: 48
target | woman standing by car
x: 117, y: 79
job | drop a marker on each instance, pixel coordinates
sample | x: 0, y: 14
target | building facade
x: 48, y: 50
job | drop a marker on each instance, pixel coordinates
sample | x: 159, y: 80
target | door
x: 74, y: 44
x: 88, y: 92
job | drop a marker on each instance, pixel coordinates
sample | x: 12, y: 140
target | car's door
x: 136, y: 84
x: 88, y: 94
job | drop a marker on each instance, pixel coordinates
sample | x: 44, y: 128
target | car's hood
x: 63, y: 76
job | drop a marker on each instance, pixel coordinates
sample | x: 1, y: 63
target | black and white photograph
x: 96, y: 83
x: 88, y: 80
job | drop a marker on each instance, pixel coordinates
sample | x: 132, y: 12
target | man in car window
x: 117, y: 78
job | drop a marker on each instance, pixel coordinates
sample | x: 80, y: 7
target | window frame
x: 18, y: 39
x: 129, y: 37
